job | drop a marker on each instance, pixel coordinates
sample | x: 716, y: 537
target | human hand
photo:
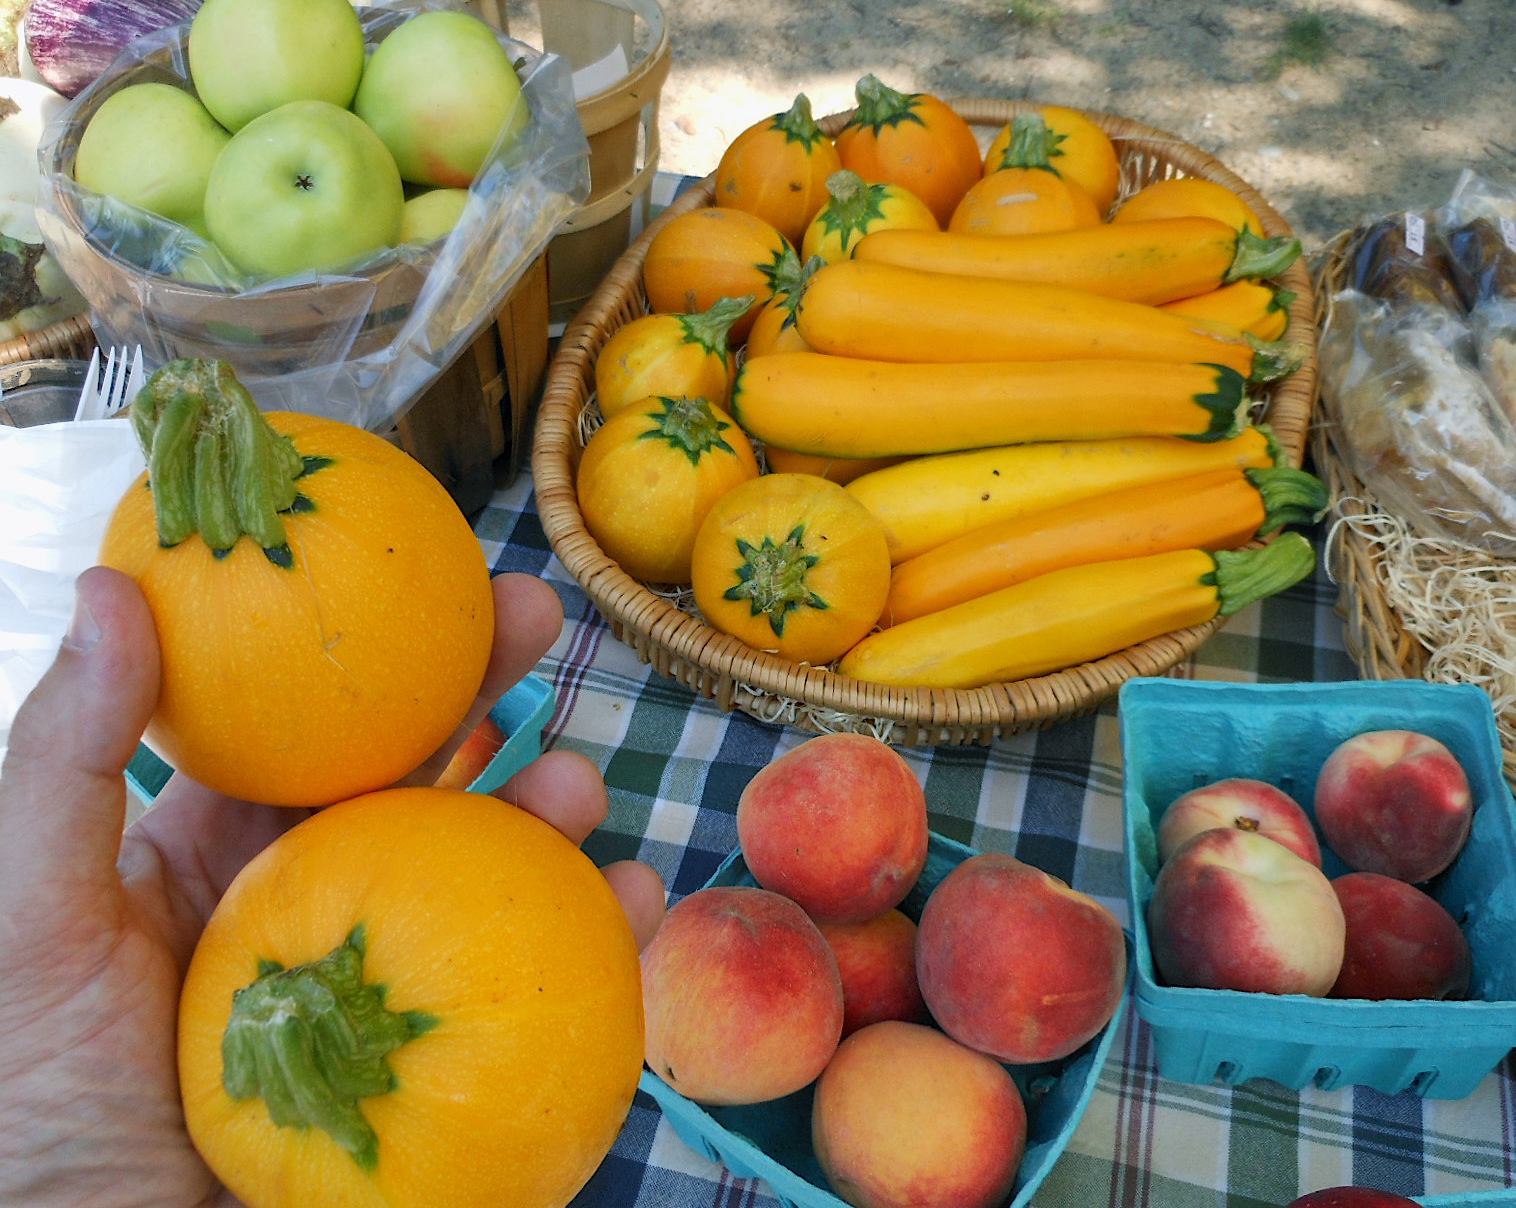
x: 97, y: 928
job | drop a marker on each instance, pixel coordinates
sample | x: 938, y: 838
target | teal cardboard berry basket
x: 1177, y: 735
x: 772, y: 1141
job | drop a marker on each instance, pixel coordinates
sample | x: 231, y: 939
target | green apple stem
x: 215, y: 466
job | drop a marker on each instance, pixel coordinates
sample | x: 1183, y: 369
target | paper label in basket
x: 1416, y: 233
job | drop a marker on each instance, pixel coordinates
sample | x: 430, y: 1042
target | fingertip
x: 640, y: 891
x: 563, y: 788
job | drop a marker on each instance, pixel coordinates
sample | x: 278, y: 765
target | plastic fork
x: 112, y: 386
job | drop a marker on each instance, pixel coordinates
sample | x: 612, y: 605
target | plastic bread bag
x: 1479, y: 222
x: 1415, y: 420
x: 360, y: 345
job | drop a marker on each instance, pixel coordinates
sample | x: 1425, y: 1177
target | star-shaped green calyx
x: 772, y: 578
x: 689, y: 425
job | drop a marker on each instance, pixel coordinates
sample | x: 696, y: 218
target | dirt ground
x: 1334, y: 109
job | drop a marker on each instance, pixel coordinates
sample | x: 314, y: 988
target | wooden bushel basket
x: 669, y: 635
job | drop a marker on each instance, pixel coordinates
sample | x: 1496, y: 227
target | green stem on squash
x: 1245, y: 575
x: 689, y: 425
x: 1290, y: 496
x: 798, y: 124
x: 215, y: 466
x: 854, y: 207
x: 1259, y: 257
x: 774, y: 579
x: 879, y: 105
x: 711, y: 328
x: 1031, y: 144
x: 313, y: 1041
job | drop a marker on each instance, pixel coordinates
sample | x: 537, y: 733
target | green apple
x: 247, y: 57
x: 440, y: 90
x: 305, y: 186
x: 431, y: 214
x: 152, y: 146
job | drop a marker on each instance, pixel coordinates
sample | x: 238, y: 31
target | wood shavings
x: 1455, y: 599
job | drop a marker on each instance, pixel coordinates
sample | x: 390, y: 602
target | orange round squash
x: 493, y: 1035
x: 791, y: 563
x: 649, y: 475
x: 324, y: 612
x: 716, y: 252
x: 774, y: 329
x: 911, y: 139
x: 1076, y: 147
x: 1189, y: 197
x: 777, y: 169
x: 1027, y: 194
x: 673, y: 354
x: 854, y: 208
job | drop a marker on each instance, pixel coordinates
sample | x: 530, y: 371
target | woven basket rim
x: 763, y: 683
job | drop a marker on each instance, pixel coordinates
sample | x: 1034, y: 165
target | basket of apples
x: 334, y: 200
x: 1323, y: 885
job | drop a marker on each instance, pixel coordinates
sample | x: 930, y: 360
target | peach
x: 1395, y: 802
x: 877, y: 961
x: 742, y: 997
x: 1401, y: 942
x: 1253, y: 805
x: 473, y: 756
x: 1016, y: 964
x: 905, y: 1116
x: 1352, y: 1197
x: 1232, y: 910
x: 838, y: 824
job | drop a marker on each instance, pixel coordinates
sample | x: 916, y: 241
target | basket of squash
x: 939, y: 429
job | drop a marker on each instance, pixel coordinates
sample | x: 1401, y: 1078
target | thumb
x: 62, y: 792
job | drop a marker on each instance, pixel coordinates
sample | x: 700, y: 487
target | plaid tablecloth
x: 675, y: 764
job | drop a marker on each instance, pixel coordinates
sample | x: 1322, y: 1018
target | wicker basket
x: 678, y: 644
x: 70, y: 339
x: 1381, y: 641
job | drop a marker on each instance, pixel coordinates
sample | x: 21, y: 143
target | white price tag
x: 1416, y: 233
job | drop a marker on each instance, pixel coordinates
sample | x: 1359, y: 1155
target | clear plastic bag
x: 360, y: 346
x: 1416, y: 421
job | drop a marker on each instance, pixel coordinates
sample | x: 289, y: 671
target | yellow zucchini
x: 885, y: 312
x: 1221, y: 509
x: 1073, y: 615
x: 834, y: 406
x: 926, y: 501
x: 1256, y: 307
x: 1153, y: 262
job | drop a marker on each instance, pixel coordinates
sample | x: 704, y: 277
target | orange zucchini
x: 926, y: 501
x: 1074, y: 615
x: 1221, y: 509
x: 835, y: 406
x: 1256, y: 307
x: 885, y: 312
x: 841, y: 470
x: 1153, y: 262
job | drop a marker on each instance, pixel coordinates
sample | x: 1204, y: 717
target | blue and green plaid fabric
x: 675, y: 765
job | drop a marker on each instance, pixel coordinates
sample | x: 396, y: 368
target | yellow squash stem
x: 215, y: 466
x: 1071, y: 616
x: 312, y: 1042
x: 1220, y: 509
